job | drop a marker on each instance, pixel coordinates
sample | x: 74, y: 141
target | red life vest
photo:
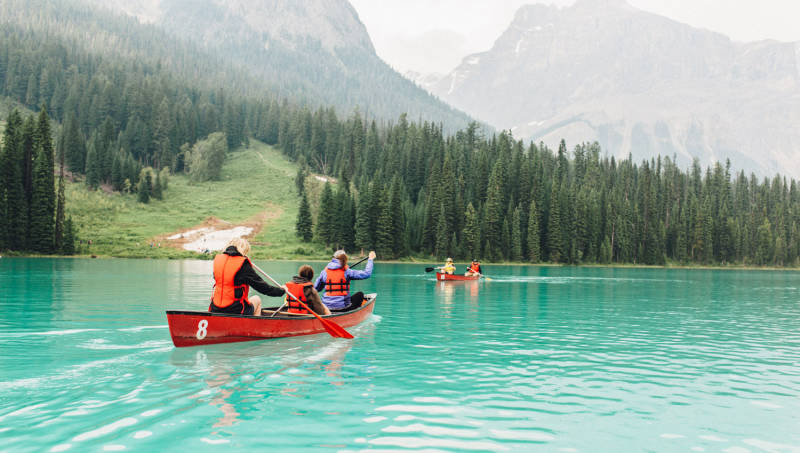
x: 336, y: 283
x: 297, y: 290
x: 225, y: 269
x: 476, y: 268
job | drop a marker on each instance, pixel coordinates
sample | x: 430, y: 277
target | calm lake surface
x: 538, y: 359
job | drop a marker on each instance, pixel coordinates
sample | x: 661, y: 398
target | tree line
x: 407, y: 188
x: 31, y: 213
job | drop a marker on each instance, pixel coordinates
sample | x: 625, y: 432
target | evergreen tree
x: 442, y: 233
x: 554, y: 238
x: 60, y: 200
x: 534, y: 252
x: 516, y: 236
x: 472, y: 233
x: 74, y: 145
x: 145, y: 185
x: 16, y: 211
x: 304, y: 225
x: 93, y: 166
x: 116, y: 173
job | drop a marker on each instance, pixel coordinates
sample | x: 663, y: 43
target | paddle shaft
x: 335, y: 330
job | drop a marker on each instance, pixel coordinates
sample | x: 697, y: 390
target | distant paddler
x: 474, y: 269
x: 233, y: 277
x: 448, y: 268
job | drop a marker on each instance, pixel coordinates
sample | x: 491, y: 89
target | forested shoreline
x: 404, y: 188
x: 409, y: 189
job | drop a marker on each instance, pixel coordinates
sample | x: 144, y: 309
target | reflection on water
x: 543, y: 359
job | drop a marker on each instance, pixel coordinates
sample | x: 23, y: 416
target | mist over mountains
x: 315, y: 51
x: 637, y: 83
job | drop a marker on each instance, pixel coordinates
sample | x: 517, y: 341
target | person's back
x: 302, y: 288
x: 233, y: 277
x: 335, y: 280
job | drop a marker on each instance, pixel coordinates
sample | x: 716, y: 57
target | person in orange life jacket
x: 233, y: 277
x: 302, y: 288
x: 335, y: 279
x: 474, y: 269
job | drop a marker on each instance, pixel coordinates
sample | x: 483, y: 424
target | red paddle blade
x: 335, y: 329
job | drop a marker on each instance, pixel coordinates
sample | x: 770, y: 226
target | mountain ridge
x: 637, y: 83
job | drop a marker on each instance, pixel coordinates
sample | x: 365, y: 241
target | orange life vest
x: 476, y: 268
x: 336, y: 283
x: 297, y: 290
x: 225, y: 268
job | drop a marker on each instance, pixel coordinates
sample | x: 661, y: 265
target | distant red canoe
x: 194, y: 328
x: 455, y: 277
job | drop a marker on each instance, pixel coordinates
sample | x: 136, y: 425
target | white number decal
x: 201, y: 329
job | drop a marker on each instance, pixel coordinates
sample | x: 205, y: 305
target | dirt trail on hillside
x: 214, y: 233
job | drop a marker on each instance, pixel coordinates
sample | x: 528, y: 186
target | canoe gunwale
x: 370, y: 301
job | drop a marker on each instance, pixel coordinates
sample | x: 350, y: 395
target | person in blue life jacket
x: 335, y: 280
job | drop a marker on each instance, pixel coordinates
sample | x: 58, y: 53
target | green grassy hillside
x: 257, y: 188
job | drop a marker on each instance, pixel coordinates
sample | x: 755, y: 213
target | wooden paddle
x: 335, y: 330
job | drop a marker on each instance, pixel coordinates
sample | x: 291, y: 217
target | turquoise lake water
x: 538, y: 359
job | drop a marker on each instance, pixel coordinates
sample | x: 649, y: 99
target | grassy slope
x: 254, y: 180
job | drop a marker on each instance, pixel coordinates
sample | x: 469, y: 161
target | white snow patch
x: 473, y: 60
x: 519, y: 44
x: 216, y: 240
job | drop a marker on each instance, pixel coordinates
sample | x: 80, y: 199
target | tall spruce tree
x: 304, y: 225
x: 534, y: 251
x: 16, y: 212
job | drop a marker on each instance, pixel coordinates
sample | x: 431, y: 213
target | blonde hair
x: 241, y: 244
x: 341, y: 256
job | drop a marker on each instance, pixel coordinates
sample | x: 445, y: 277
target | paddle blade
x: 335, y: 330
x: 428, y: 269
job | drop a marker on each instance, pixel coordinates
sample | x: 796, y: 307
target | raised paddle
x: 335, y: 330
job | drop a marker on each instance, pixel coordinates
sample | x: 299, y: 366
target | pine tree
x: 534, y: 253
x: 16, y: 212
x: 554, y: 238
x: 116, y: 173
x: 471, y: 233
x: 304, y: 225
x: 516, y: 236
x: 74, y: 145
x: 60, y: 200
x: 145, y: 185
x: 442, y: 233
x: 92, y: 166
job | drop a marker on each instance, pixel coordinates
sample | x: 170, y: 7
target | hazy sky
x: 434, y: 35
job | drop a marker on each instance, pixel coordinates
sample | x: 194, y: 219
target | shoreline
x: 412, y: 260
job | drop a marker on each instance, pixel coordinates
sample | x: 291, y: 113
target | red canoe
x: 455, y: 277
x: 194, y: 328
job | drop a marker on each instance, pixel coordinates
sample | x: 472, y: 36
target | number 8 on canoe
x: 201, y: 329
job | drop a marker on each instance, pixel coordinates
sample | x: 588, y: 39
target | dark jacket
x: 247, y: 276
x: 312, y: 296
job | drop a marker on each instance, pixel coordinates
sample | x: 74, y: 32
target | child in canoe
x: 302, y: 288
x: 233, y: 277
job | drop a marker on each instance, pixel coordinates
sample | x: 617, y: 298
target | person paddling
x: 302, y: 288
x: 233, y: 277
x: 474, y: 269
x: 335, y: 279
x: 449, y: 267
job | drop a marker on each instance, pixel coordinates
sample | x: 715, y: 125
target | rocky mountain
x: 315, y: 50
x: 638, y: 83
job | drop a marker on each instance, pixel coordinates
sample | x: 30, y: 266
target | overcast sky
x: 434, y: 35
